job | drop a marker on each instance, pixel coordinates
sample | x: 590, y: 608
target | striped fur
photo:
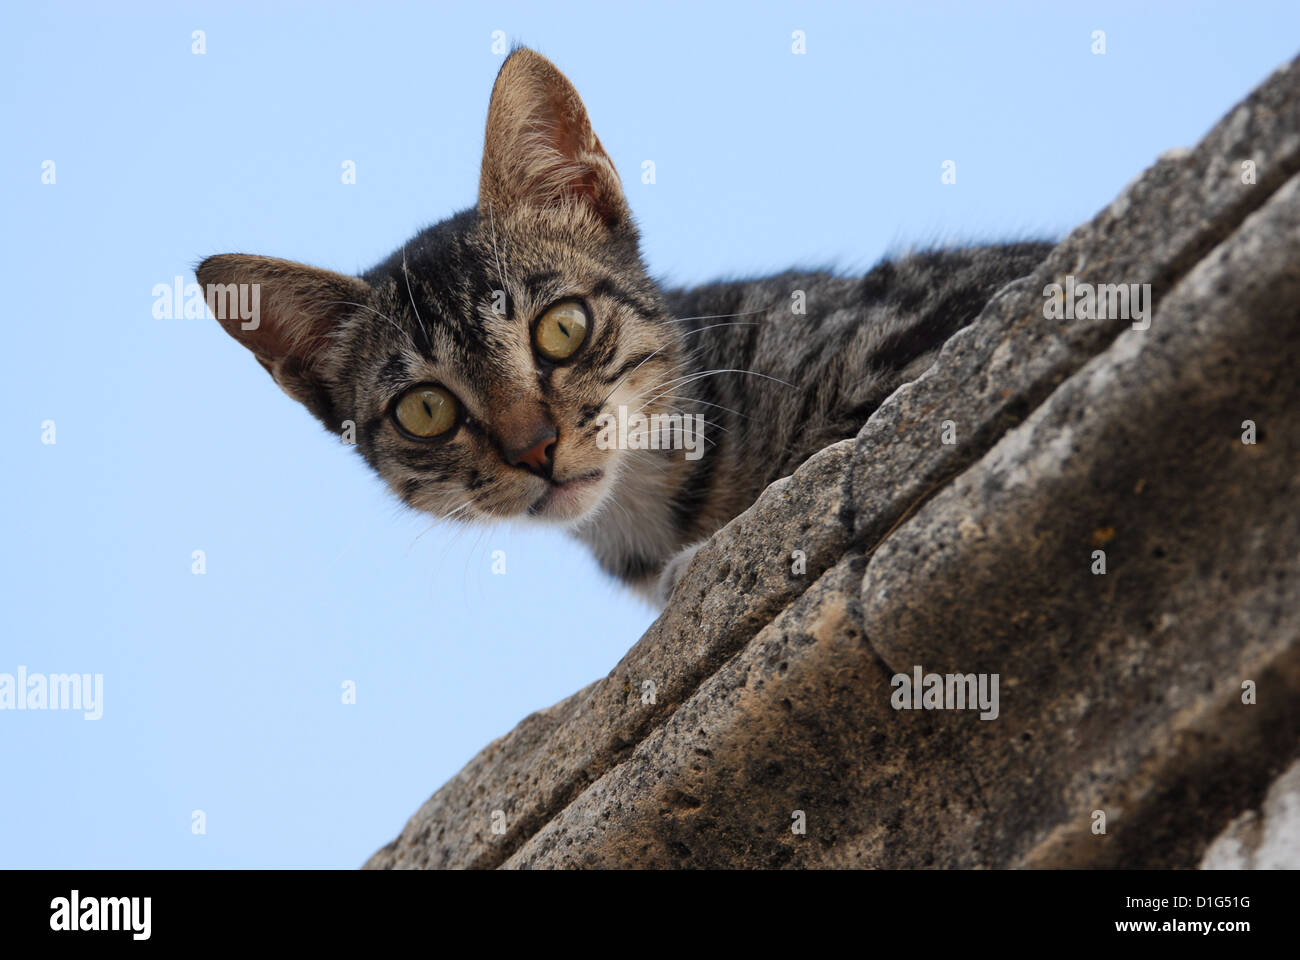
x: 552, y: 224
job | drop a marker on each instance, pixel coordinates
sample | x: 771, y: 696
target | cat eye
x: 425, y: 411
x: 560, y: 331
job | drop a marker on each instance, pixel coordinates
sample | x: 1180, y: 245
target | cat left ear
x: 286, y: 314
x: 540, y: 150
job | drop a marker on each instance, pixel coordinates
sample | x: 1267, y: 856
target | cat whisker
x: 438, y: 520
x: 649, y: 430
x: 448, y: 516
x: 692, y: 377
x: 383, y: 316
x: 457, y: 534
x: 665, y: 347
x: 501, y: 274
x: 671, y: 382
x: 632, y: 371
x: 724, y: 316
x: 669, y: 396
x: 427, y: 338
x: 419, y: 536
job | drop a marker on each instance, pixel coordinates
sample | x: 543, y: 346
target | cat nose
x: 536, y: 454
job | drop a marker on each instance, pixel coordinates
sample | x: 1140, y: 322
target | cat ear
x: 285, y: 313
x: 540, y: 149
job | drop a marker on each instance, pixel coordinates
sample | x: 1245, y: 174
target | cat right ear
x: 286, y: 314
x: 540, y: 150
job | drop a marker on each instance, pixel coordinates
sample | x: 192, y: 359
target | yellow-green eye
x: 426, y: 411
x: 560, y: 331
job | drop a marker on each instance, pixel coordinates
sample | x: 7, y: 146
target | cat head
x: 473, y: 365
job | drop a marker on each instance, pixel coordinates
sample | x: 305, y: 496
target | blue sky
x: 223, y: 691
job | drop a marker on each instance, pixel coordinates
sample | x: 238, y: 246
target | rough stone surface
x: 1161, y: 697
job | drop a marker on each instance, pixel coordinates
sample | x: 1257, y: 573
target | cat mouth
x: 563, y: 499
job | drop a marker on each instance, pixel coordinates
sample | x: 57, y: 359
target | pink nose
x: 536, y: 457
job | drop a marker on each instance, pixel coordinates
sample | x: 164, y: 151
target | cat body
x: 488, y: 368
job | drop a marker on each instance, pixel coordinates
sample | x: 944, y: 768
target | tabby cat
x: 482, y: 368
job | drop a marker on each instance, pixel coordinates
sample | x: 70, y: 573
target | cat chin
x: 570, y: 503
